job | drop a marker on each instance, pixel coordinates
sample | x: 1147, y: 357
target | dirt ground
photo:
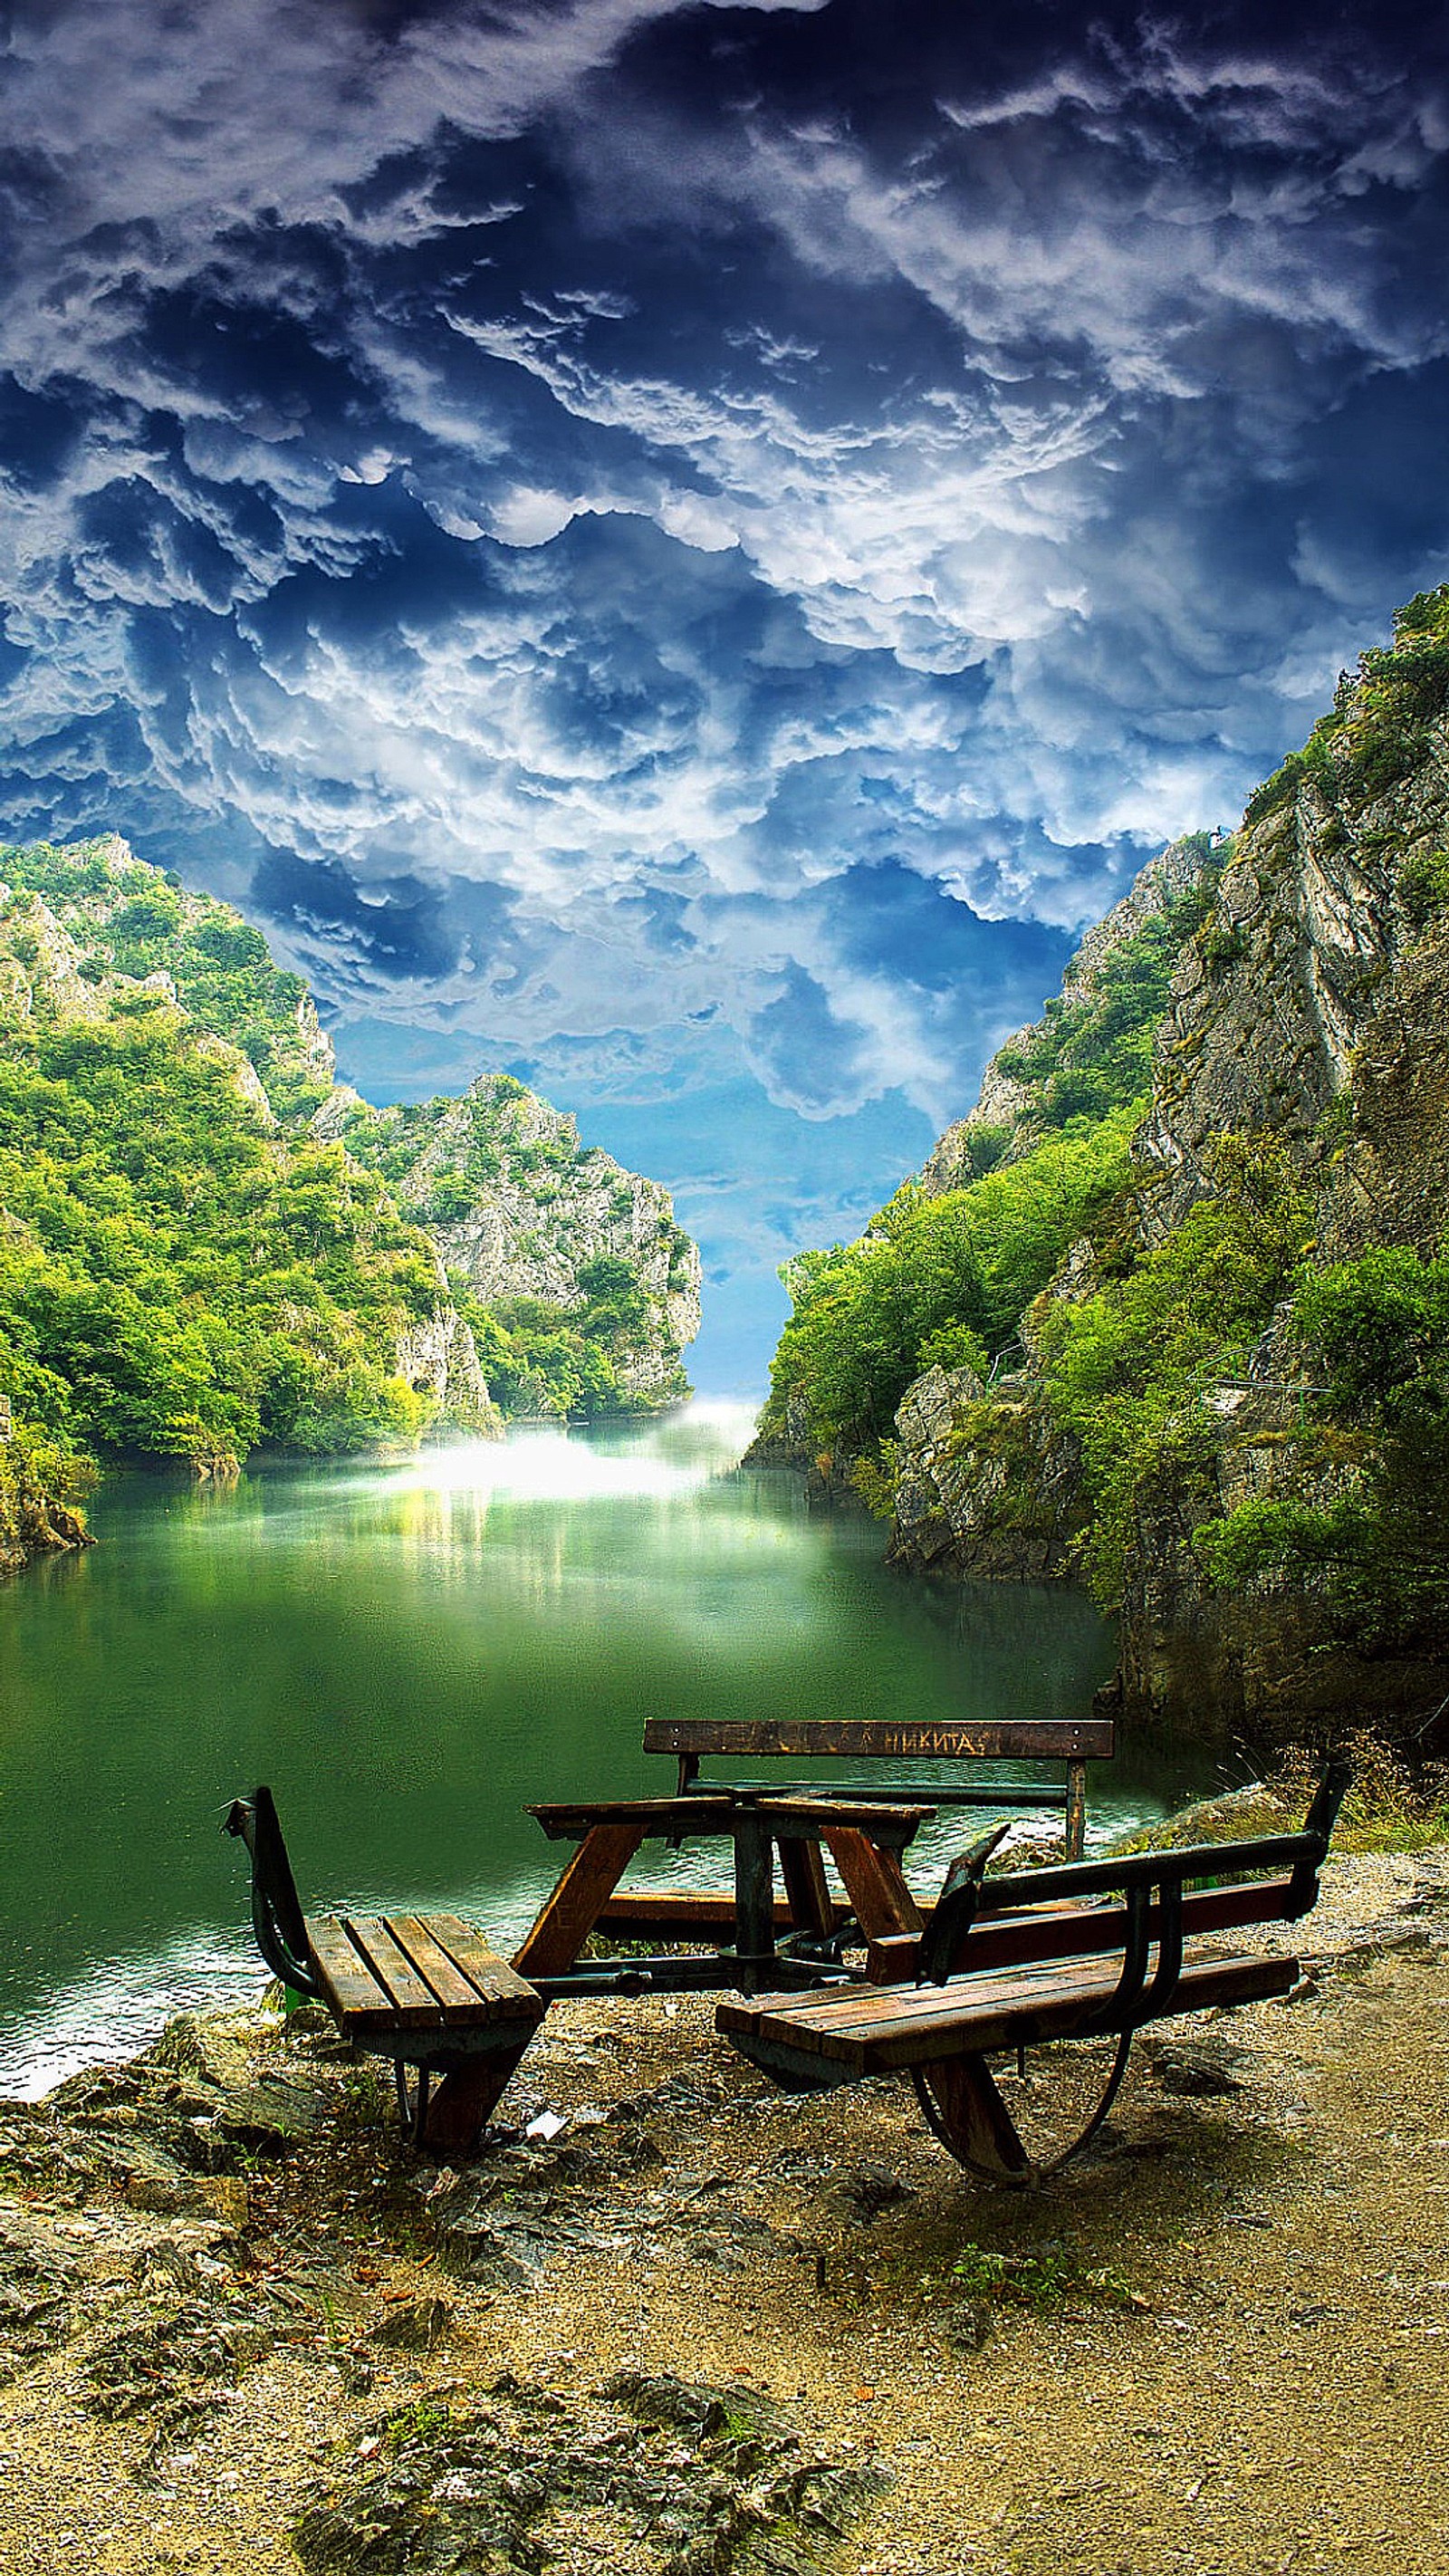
x: 1219, y: 2344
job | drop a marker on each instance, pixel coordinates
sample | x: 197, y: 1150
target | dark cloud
x: 632, y: 530
x: 395, y: 928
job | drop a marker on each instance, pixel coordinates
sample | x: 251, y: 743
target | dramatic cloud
x: 687, y: 547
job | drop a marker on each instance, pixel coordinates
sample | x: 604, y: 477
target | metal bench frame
x: 463, y: 2052
x: 1000, y: 1954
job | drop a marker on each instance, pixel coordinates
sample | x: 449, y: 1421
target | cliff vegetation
x: 206, y: 1244
x: 1213, y: 1385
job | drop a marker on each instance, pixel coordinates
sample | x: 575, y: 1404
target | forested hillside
x: 944, y: 1274
x: 206, y: 1245
x: 1169, y: 1313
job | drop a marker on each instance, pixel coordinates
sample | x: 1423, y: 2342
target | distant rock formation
x: 421, y: 1231
x: 521, y: 1212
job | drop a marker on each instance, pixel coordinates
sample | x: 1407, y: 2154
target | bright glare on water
x: 412, y: 1652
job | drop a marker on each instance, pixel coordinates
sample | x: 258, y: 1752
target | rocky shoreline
x: 701, y: 2328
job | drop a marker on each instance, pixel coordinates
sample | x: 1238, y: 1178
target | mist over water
x: 409, y: 1653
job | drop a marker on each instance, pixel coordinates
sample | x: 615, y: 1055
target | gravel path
x: 229, y: 2301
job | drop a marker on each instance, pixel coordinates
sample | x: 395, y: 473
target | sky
x: 685, y: 551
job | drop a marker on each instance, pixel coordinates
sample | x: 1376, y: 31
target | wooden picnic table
x: 767, y: 1941
x: 1020, y: 1960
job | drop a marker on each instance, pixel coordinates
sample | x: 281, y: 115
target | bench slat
x: 446, y: 1983
x: 1062, y: 1739
x: 353, y: 1992
x: 413, y: 2002
x: 1070, y: 1930
x: 927, y: 2024
x: 501, y: 1992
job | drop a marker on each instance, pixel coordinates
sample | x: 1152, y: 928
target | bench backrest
x: 1161, y: 1897
x: 1073, y: 1740
x: 909, y: 1739
x: 277, y: 1918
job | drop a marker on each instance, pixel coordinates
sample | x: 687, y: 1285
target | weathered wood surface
x: 499, y: 1987
x: 1071, y: 1930
x: 877, y: 2031
x: 682, y: 1819
x: 679, y: 1914
x: 809, y: 1902
x: 409, y: 1974
x: 413, y: 2000
x: 569, y: 1915
x: 882, y: 1903
x: 463, y: 2103
x: 1061, y: 1739
x: 981, y: 2128
x: 350, y: 1989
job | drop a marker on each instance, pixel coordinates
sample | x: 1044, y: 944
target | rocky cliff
x: 1227, y: 1406
x: 537, y: 1227
x: 1090, y: 1048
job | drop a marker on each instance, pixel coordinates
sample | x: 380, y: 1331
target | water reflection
x: 409, y: 1652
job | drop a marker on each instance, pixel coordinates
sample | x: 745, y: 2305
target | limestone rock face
x: 1004, y: 1101
x: 497, y: 1180
x: 519, y: 1209
x: 1312, y: 1003
x: 43, y: 967
x: 985, y: 1485
x: 1311, y: 951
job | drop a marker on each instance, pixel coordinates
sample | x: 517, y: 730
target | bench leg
x: 806, y: 1886
x: 1076, y: 1810
x: 883, y: 1905
x: 964, y: 2110
x: 456, y: 2111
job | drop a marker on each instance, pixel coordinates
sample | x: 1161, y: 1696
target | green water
x: 410, y: 1652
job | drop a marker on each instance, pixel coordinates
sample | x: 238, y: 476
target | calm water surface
x: 408, y: 1653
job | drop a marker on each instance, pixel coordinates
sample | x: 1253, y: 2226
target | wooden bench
x: 1090, y: 1950
x: 424, y: 1990
x: 674, y: 1914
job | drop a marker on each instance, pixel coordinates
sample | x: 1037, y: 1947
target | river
x: 408, y: 1652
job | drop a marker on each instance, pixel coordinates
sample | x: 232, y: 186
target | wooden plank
x: 674, y: 1817
x: 414, y: 2004
x: 891, y: 2029
x: 681, y: 1819
x: 1219, y: 1982
x: 1069, y: 1930
x: 810, y: 1903
x: 893, y: 1959
x: 848, y: 2015
x: 1129, y: 1869
x: 497, y: 1983
x: 352, y: 1992
x: 463, y: 2002
x: 566, y: 1920
x: 1061, y: 1739
x: 873, y: 1881
x: 670, y: 1914
x: 892, y: 1827
x: 861, y: 2011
